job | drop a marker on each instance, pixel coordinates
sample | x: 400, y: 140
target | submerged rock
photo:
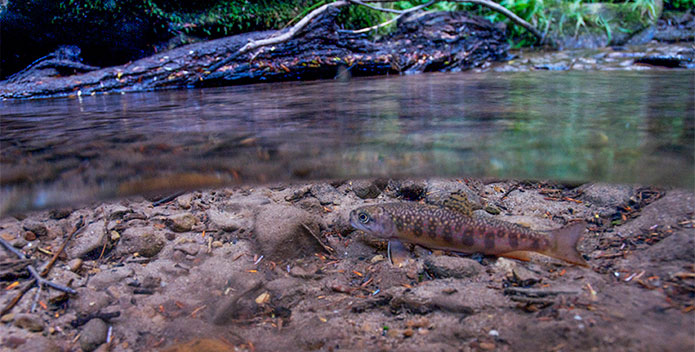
x: 29, y: 322
x: 605, y: 195
x: 36, y: 227
x: 136, y: 240
x: 110, y: 277
x: 90, y: 243
x: 181, y: 222
x: 280, y: 234
x: 225, y: 221
x: 365, y: 189
x: 326, y: 194
x: 444, y: 266
x: 93, y: 334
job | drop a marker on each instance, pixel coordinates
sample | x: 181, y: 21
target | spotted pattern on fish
x: 513, y: 240
x: 444, y: 228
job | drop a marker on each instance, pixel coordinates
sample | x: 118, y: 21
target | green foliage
x: 215, y: 18
x: 211, y: 18
x: 358, y: 17
x: 679, y: 5
x: 560, y: 17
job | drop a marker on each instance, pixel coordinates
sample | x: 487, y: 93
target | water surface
x: 627, y: 127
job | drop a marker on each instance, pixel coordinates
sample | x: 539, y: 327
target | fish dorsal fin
x: 458, y: 202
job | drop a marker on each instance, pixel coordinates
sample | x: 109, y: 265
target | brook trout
x: 446, y: 228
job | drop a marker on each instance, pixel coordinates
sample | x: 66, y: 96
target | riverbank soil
x: 262, y: 268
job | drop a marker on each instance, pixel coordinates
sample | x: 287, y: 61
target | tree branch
x: 382, y: 9
x: 278, y: 39
x: 511, y: 15
x: 401, y: 14
x: 487, y: 3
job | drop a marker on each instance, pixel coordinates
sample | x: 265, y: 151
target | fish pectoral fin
x: 520, y: 255
x: 398, y: 253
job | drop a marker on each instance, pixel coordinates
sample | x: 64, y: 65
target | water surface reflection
x: 631, y: 127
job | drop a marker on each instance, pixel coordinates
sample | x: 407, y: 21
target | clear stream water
x: 610, y: 126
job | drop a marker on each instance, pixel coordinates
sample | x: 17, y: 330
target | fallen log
x: 315, y: 48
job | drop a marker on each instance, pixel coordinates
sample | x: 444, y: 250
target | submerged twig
x: 325, y: 247
x: 37, y: 278
x: 41, y: 281
x: 531, y: 292
x: 11, y: 248
x: 77, y: 229
x: 167, y: 198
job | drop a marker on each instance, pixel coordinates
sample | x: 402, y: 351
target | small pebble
x: 29, y: 236
x: 487, y: 346
x: 7, y: 318
x: 408, y: 333
x: 377, y: 258
x: 217, y: 244
x: 7, y: 236
x: 19, y: 242
x: 75, y: 264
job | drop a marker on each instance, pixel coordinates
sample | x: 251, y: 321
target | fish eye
x: 363, y: 217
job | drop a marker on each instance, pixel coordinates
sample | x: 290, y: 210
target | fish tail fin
x: 563, y: 244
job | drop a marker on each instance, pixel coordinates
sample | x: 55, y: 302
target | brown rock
x: 280, y: 233
x: 58, y: 214
x: 365, y: 189
x: 487, y: 346
x: 93, y: 334
x: 29, y: 322
x: 146, y: 244
x: 75, y: 264
x: 90, y: 243
x: 37, y: 228
x: 181, y: 222
x: 29, y: 236
x: 449, y: 266
x: 7, y: 318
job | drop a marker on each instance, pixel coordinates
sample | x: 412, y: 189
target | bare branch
x: 511, y: 15
x: 280, y: 38
x: 487, y: 3
x: 402, y: 13
x: 382, y: 9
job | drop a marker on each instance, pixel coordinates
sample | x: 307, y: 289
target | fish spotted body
x: 438, y: 227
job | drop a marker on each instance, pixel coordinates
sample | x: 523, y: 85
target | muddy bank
x: 269, y: 266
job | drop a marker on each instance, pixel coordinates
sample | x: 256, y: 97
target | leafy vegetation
x: 116, y: 31
x: 565, y: 17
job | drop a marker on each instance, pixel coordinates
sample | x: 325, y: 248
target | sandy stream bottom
x: 265, y: 268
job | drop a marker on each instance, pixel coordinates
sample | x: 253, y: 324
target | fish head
x: 374, y: 220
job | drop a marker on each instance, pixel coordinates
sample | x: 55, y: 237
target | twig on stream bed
x: 38, y: 277
x: 167, y: 199
x: 325, y: 247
